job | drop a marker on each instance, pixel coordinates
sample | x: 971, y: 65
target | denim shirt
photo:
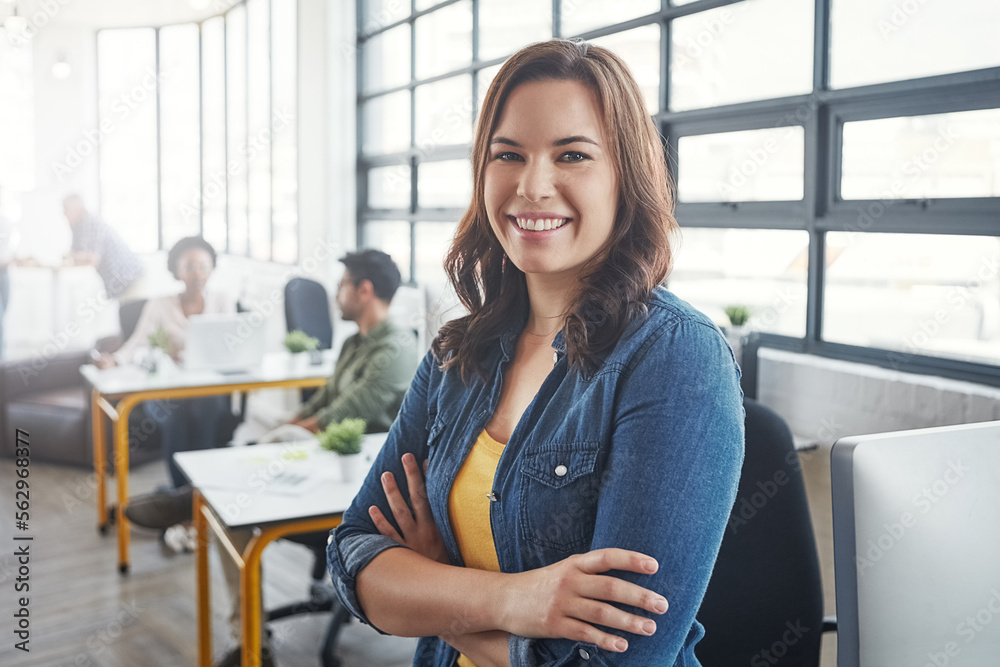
x: 644, y: 454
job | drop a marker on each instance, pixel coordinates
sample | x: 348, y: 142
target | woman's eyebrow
x: 558, y: 142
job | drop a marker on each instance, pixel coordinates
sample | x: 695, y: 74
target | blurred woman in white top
x: 193, y: 423
x: 191, y: 261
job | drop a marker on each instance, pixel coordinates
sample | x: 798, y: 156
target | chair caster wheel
x: 123, y: 568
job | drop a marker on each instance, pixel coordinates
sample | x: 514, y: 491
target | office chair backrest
x: 307, y: 309
x: 128, y: 317
x: 764, y: 604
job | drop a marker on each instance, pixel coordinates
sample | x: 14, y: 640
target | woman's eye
x: 507, y: 156
x: 575, y: 156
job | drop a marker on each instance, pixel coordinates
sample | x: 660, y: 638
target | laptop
x: 230, y: 343
x: 916, y: 534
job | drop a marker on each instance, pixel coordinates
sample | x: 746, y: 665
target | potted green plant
x: 738, y: 317
x: 302, y: 347
x: 158, y: 358
x: 344, y: 439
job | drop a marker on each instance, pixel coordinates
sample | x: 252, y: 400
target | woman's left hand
x: 420, y: 533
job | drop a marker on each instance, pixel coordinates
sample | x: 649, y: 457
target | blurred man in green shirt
x: 376, y: 364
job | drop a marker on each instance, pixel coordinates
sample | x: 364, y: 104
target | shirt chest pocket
x: 559, y: 487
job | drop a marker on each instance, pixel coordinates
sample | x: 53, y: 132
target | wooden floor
x: 84, y: 614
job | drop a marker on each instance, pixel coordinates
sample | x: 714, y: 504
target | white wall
x: 65, y: 112
x: 826, y: 399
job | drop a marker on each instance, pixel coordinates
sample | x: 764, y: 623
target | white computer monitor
x: 916, y: 526
x: 228, y: 343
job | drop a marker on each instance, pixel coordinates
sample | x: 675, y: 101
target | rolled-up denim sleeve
x: 667, y: 491
x: 356, y: 541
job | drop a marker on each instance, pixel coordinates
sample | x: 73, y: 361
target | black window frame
x: 821, y: 113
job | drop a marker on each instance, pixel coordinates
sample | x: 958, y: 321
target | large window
x: 199, y: 136
x: 836, y: 161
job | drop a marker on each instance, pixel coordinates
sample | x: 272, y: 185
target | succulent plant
x: 159, y: 339
x: 738, y: 315
x: 299, y: 341
x: 343, y: 437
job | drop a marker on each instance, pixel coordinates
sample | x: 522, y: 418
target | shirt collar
x: 380, y: 330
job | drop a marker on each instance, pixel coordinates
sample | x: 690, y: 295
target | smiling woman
x: 580, y: 430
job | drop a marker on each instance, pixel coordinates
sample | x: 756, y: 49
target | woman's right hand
x: 567, y: 599
x: 105, y: 361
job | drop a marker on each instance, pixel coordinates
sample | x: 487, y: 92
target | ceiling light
x: 61, y: 69
x: 16, y: 25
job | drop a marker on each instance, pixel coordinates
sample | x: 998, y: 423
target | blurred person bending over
x: 96, y: 244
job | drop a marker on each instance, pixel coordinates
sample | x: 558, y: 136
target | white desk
x: 129, y: 386
x: 276, y: 490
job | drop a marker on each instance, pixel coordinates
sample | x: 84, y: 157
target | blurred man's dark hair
x: 376, y: 266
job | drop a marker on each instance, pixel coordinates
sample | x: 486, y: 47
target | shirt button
x: 555, y: 357
x: 584, y: 654
x: 561, y: 470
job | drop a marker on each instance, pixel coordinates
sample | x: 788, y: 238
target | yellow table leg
x: 250, y: 600
x: 100, y: 464
x: 121, y: 476
x: 204, y: 600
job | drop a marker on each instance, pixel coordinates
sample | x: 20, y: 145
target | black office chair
x: 322, y: 598
x: 307, y: 309
x: 128, y: 317
x: 764, y: 603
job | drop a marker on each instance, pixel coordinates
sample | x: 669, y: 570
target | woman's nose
x: 536, y: 182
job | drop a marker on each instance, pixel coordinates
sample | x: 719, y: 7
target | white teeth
x: 540, y: 224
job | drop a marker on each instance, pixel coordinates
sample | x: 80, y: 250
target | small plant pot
x: 350, y: 467
x: 299, y: 361
x: 735, y: 336
x: 156, y: 361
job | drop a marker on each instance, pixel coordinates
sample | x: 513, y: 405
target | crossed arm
x: 562, y: 600
x: 690, y: 465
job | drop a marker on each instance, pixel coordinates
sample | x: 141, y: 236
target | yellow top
x: 469, y: 509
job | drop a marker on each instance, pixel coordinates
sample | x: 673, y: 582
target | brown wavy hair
x: 617, y: 282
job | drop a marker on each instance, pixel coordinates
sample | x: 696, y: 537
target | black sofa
x: 49, y: 399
